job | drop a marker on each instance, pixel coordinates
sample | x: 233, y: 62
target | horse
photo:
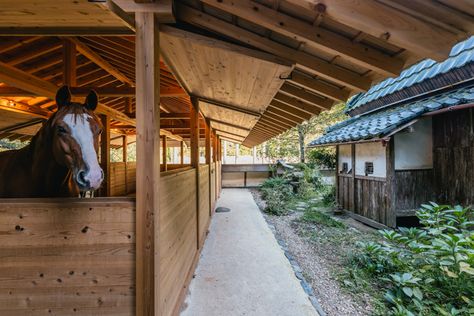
x: 61, y: 159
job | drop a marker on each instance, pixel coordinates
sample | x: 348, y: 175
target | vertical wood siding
x: 122, y: 178
x: 67, y: 256
x: 413, y: 188
x: 204, y: 215
x: 369, y: 199
x: 453, y: 157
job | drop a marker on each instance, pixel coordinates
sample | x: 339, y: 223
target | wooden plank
x: 319, y: 86
x: 69, y: 63
x: 403, y: 29
x: 148, y: 164
x: 105, y: 155
x: 310, y: 63
x: 162, y: 9
x: 324, y: 39
x: 391, y: 219
x: 194, y: 147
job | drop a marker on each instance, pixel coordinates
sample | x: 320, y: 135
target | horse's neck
x: 47, y: 173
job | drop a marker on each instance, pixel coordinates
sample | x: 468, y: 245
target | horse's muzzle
x: 89, y: 180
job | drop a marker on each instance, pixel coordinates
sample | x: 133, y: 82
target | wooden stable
x: 184, y: 74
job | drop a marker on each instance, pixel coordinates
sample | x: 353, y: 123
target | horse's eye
x: 99, y: 132
x: 61, y: 130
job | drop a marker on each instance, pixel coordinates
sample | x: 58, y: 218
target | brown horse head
x: 75, y: 131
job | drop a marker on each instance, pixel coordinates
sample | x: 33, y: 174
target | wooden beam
x: 324, y: 39
x: 22, y: 80
x: 308, y: 62
x: 229, y: 107
x: 148, y: 164
x: 22, y: 108
x: 402, y: 29
x: 229, y: 124
x: 105, y: 155
x: 294, y: 110
x: 319, y: 87
x: 163, y: 9
x: 65, y: 31
x: 69, y: 63
x: 175, y: 116
x: 99, y: 61
x: 21, y: 125
x: 309, y: 97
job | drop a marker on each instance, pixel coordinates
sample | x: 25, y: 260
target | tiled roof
x: 380, y: 123
x: 461, y: 54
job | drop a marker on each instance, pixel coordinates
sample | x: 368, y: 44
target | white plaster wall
x: 345, y: 155
x: 415, y: 150
x: 371, y: 152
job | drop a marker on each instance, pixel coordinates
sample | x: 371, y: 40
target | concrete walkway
x: 242, y: 269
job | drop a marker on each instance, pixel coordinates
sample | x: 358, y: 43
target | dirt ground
x: 320, y: 252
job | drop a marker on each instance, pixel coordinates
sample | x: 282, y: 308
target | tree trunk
x: 301, y: 141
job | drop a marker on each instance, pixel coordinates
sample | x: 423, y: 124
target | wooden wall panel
x: 453, y: 157
x: 67, y: 256
x: 119, y: 175
x: 204, y: 203
x: 413, y: 188
x: 213, y: 185
x: 369, y: 199
x: 178, y: 233
x: 233, y: 179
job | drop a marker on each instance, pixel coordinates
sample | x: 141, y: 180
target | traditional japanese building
x: 409, y: 140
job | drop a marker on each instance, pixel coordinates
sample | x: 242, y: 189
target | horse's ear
x: 91, y: 100
x: 63, y: 96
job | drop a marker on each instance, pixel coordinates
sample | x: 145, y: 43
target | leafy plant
x: 427, y: 270
x: 323, y: 157
x: 315, y: 216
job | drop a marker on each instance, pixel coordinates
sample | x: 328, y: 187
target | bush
x: 277, y: 192
x: 323, y: 157
x: 428, y: 270
x: 317, y: 217
x: 329, y: 196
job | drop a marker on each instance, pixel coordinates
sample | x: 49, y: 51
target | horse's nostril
x: 81, y: 178
x: 101, y: 174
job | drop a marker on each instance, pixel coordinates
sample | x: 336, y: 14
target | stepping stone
x: 222, y: 209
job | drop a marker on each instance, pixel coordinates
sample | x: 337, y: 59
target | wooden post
x: 352, y: 188
x: 194, y: 134
x: 214, y: 147
x: 390, y: 209
x: 337, y: 177
x: 165, y: 156
x: 225, y: 151
x: 208, y: 142
x: 254, y: 154
x: 181, y: 152
x: 148, y: 163
x: 128, y: 106
x: 69, y: 63
x: 105, y: 154
x: 124, y: 159
x: 237, y: 150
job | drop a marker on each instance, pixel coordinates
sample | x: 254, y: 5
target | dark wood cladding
x: 453, y: 157
x: 345, y: 196
x: 369, y: 200
x: 413, y: 188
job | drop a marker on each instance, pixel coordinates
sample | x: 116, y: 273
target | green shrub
x: 428, y: 270
x: 329, y: 196
x: 323, y: 157
x: 277, y: 193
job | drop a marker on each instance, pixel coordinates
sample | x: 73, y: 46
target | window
x: 345, y: 166
x: 369, y: 168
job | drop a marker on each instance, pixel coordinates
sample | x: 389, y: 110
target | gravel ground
x: 320, y: 260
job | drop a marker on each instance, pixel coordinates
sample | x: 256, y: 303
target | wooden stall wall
x: 413, y: 188
x: 178, y: 235
x: 453, y: 157
x: 122, y: 178
x: 213, y: 185
x: 346, y: 192
x: 67, y: 256
x: 204, y: 202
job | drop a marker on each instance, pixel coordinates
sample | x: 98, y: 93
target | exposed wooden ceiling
x: 258, y: 67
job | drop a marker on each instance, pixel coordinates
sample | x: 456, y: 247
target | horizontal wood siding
x: 370, y: 199
x: 413, y: 188
x: 204, y: 203
x: 453, y: 157
x: 178, y: 235
x: 67, y: 256
x: 122, y: 178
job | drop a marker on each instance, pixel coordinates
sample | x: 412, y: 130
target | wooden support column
x: 390, y: 208
x: 165, y: 156
x: 105, y: 154
x: 124, y: 159
x: 225, y: 151
x: 69, y: 63
x: 148, y: 164
x: 352, y: 192
x: 128, y: 106
x: 337, y: 177
x: 214, y: 148
x: 181, y: 152
x: 194, y: 131
x: 208, y: 160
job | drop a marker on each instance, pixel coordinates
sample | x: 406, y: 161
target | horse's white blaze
x: 82, y: 134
